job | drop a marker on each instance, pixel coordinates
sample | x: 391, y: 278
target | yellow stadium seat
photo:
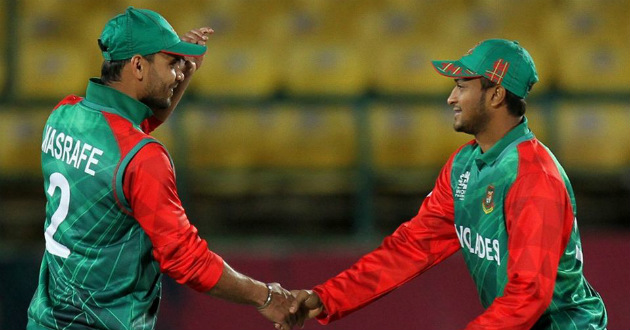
x: 63, y: 19
x: 399, y: 23
x: 237, y: 21
x: 588, y: 21
x: 170, y: 9
x: 308, y: 137
x: 594, y: 67
x: 314, y: 21
x: 513, y: 19
x: 413, y: 136
x: 237, y: 70
x: 593, y: 136
x: 221, y: 137
x: 332, y: 69
x: 50, y: 69
x: 20, y: 140
x: 405, y: 67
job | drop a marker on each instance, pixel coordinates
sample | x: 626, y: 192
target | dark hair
x: 516, y: 105
x: 110, y: 70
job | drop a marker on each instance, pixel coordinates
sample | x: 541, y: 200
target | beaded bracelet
x: 268, y: 301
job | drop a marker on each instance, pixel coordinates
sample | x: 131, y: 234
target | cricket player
x: 502, y: 199
x: 114, y: 221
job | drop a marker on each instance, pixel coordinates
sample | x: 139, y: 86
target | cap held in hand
x: 502, y: 61
x: 143, y: 32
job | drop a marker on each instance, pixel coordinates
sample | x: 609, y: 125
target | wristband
x: 268, y: 301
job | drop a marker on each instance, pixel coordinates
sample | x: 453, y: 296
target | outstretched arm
x: 413, y: 248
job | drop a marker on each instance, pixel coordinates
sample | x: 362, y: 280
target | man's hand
x: 306, y: 305
x: 196, y: 36
x: 278, y: 309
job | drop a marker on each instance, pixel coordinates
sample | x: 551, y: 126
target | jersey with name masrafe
x: 511, y: 211
x: 114, y: 222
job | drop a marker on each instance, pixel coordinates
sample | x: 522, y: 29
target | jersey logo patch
x: 488, y: 202
x: 462, y: 185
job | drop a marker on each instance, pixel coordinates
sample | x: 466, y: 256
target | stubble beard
x: 478, y: 120
x: 154, y: 89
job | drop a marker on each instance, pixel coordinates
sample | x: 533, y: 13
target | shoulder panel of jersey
x: 68, y: 100
x: 462, y: 147
x: 535, y: 158
x: 130, y: 140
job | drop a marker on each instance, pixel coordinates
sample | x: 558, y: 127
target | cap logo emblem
x: 498, y: 71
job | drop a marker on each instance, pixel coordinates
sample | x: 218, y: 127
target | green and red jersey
x: 114, y: 221
x: 511, y: 211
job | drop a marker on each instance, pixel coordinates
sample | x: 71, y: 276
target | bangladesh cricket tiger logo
x: 488, y: 202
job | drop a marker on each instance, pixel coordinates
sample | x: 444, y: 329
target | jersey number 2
x: 57, y: 180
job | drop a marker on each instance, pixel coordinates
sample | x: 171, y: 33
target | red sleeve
x: 414, y: 247
x: 150, y: 124
x: 149, y: 185
x: 539, y: 226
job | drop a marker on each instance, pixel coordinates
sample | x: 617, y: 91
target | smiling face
x: 471, y: 113
x: 165, y: 73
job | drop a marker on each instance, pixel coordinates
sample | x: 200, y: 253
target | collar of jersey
x: 105, y: 98
x: 518, y: 132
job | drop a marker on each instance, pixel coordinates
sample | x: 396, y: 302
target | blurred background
x: 316, y: 127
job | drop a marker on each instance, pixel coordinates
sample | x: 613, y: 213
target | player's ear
x: 138, y: 66
x: 498, y: 96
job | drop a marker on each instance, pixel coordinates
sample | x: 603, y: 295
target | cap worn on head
x: 503, y: 62
x: 143, y: 32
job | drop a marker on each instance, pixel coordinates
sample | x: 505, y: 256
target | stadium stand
x: 262, y: 102
x: 220, y: 137
x: 302, y: 136
x: 329, y: 69
x: 238, y: 70
x: 593, y: 136
x: 412, y: 136
x: 51, y: 69
x: 20, y: 141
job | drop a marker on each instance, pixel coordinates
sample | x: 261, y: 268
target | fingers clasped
x: 277, y: 310
x: 306, y: 305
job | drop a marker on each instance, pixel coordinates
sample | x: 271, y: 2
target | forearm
x: 401, y: 257
x: 414, y: 247
x: 178, y: 93
x: 236, y: 287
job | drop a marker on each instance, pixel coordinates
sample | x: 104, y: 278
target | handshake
x: 289, y: 308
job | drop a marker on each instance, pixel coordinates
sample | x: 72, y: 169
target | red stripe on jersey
x: 127, y: 137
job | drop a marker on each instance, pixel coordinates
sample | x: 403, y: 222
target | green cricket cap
x: 144, y: 32
x: 503, y: 62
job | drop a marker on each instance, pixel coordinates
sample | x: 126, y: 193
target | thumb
x: 313, y: 301
x: 300, y: 297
